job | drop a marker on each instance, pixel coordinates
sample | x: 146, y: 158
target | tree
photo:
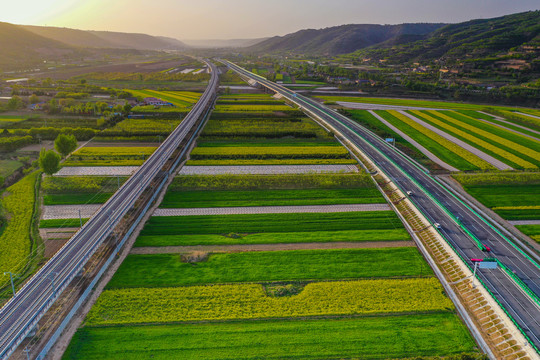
x: 65, y: 144
x: 15, y: 103
x: 33, y: 99
x: 127, y: 109
x: 53, y: 107
x: 49, y: 161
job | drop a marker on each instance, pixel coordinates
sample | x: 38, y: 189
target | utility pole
x: 11, y: 279
x: 27, y: 352
x: 474, y: 273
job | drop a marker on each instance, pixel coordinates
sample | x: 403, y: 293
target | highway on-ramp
x: 467, y: 232
x: 20, y: 315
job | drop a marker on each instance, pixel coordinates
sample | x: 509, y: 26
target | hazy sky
x: 227, y: 19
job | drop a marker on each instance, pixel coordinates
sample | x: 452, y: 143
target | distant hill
x: 24, y: 48
x: 467, y: 40
x: 343, y: 39
x: 106, y: 39
x: 222, y: 43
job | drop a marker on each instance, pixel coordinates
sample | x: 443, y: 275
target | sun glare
x: 35, y: 12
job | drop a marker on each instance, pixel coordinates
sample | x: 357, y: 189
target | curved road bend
x: 23, y: 311
x: 426, y: 193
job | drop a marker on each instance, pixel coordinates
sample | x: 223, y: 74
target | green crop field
x: 57, y: 122
x: 250, y: 301
x: 245, y: 97
x: 8, y: 167
x: 269, y: 155
x: 273, y: 238
x: 13, y: 118
x: 253, y: 99
x: 15, y: 242
x: 271, y: 162
x: 109, y: 156
x: 514, y: 196
x: 266, y: 142
x: 137, y: 128
x: 252, y: 108
x: 270, y: 128
x: 439, y: 146
x: 405, y: 336
x: 167, y: 270
x: 518, y: 212
x: 531, y: 230
x: 500, y: 178
x: 266, y: 152
x: 10, y: 120
x: 247, y: 223
x: 81, y: 184
x: 271, y: 182
x: 187, y: 199
x: 76, y: 198
x: 59, y: 223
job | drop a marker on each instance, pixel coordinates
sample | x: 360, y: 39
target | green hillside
x: 481, y: 40
x: 22, y: 48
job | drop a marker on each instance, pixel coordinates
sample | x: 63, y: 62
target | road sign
x: 487, y: 264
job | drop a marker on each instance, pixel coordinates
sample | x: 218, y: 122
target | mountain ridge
x: 106, y: 39
x: 341, y: 39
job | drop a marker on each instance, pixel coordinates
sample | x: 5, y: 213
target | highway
x: 467, y: 232
x: 20, y: 315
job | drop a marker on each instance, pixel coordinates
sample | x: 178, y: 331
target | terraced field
x: 222, y: 304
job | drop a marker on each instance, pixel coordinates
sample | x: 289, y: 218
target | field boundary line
x: 237, y: 210
x: 271, y: 247
x: 475, y: 151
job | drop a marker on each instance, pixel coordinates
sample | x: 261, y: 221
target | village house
x: 156, y: 102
